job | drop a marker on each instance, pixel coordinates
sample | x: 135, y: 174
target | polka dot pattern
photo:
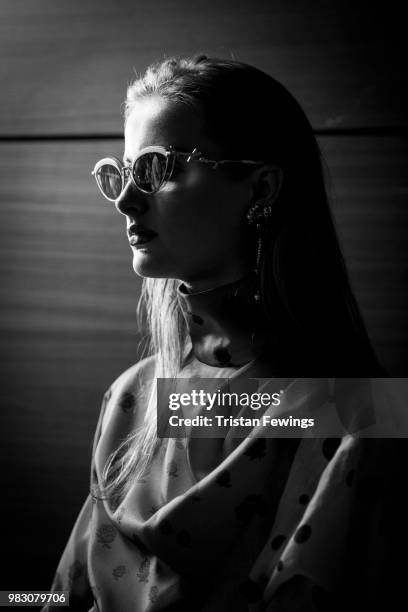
x: 222, y: 355
x: 127, y: 402
x: 252, y: 505
x: 303, y: 534
x: 187, y: 523
x: 166, y: 527
x: 257, y: 450
x: 197, y: 319
x: 277, y: 542
x: 224, y: 322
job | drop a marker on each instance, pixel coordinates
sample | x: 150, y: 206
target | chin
x: 149, y: 267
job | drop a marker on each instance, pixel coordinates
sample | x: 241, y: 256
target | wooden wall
x: 68, y: 292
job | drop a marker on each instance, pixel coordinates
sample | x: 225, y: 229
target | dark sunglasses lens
x: 149, y: 171
x: 109, y: 180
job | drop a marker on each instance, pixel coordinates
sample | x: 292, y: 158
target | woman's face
x: 198, y: 216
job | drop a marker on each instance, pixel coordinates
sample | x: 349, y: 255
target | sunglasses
x: 150, y: 170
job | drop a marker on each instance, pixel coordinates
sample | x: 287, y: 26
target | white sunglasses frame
x: 170, y: 154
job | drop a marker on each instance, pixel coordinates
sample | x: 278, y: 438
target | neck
x: 212, y: 281
x: 225, y: 323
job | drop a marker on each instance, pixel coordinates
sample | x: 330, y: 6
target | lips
x: 138, y: 235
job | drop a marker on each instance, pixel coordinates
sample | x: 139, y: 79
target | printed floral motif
x: 94, y: 493
x: 153, y: 594
x: 119, y: 571
x: 75, y: 570
x: 119, y: 514
x: 172, y: 469
x: 105, y: 535
x: 144, y: 569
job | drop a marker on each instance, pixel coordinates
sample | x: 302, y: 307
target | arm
x: 72, y: 571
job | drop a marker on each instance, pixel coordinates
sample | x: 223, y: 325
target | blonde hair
x: 159, y: 311
x: 304, y: 286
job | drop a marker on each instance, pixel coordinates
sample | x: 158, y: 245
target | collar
x: 225, y: 324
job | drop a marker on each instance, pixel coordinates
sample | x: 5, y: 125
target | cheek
x: 199, y: 211
x: 199, y: 226
x: 221, y: 221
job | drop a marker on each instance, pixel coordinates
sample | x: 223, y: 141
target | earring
x: 258, y: 216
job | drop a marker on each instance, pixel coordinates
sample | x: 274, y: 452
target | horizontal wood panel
x: 66, y: 266
x: 67, y: 320
x: 65, y: 65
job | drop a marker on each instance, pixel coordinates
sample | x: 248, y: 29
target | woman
x: 228, y: 222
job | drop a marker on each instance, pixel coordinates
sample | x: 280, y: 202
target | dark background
x: 68, y: 292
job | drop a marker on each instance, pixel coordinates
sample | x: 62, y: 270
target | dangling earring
x: 259, y: 215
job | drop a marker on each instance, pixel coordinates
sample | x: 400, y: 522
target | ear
x: 266, y: 184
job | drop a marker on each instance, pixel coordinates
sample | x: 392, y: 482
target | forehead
x: 156, y: 121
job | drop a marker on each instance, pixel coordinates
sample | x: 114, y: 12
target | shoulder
x: 129, y: 391
x: 130, y: 380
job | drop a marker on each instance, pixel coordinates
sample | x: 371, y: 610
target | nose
x: 131, y: 201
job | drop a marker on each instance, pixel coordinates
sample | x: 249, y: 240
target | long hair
x: 304, y: 286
